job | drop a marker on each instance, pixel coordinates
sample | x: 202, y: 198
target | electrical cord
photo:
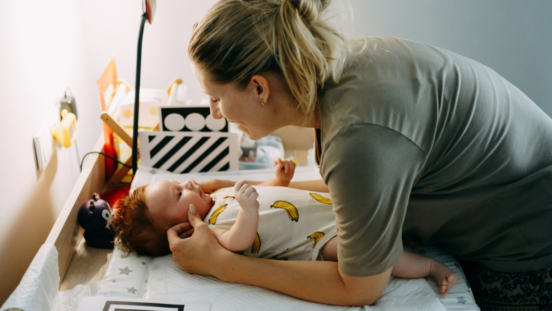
x: 105, y: 154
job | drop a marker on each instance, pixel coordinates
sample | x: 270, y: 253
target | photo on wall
x: 189, y: 152
x: 190, y: 119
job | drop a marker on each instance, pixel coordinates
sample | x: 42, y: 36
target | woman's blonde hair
x: 238, y: 39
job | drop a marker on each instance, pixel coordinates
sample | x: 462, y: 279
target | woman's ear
x: 261, y: 87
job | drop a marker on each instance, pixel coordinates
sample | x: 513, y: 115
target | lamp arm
x: 137, y: 97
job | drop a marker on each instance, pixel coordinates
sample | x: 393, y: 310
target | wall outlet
x: 43, y: 141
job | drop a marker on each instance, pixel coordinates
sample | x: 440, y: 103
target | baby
x: 287, y: 223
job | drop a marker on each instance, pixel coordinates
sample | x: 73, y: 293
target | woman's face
x: 169, y: 201
x: 243, y: 107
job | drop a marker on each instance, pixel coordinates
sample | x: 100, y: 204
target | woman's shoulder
x: 387, y: 50
x: 374, y: 61
x: 387, y: 83
x: 375, y: 70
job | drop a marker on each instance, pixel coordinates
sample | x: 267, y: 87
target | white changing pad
x: 160, y: 277
x: 166, y: 280
x: 126, y: 275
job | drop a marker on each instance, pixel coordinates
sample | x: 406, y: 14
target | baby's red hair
x: 134, y: 227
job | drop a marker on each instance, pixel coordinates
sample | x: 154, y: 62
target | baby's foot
x: 444, y: 277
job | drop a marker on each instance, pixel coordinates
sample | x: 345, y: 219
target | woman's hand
x: 199, y: 253
x: 185, y: 230
x: 284, y: 170
x: 214, y: 185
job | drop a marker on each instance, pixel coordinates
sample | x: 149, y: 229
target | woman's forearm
x: 317, y: 281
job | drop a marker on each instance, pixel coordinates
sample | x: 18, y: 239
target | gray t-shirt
x: 421, y: 144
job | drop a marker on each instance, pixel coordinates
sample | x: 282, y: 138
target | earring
x: 262, y: 102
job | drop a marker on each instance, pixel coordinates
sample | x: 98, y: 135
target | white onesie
x: 293, y: 224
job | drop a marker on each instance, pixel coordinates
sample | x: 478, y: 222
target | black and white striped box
x: 189, y: 152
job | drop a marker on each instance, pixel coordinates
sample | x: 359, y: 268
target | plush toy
x: 95, y: 217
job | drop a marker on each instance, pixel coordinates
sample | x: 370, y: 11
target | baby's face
x: 170, y: 200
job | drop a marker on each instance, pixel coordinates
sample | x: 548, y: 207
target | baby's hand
x: 284, y: 170
x: 246, y: 195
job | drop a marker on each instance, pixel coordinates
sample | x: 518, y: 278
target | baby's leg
x: 411, y: 265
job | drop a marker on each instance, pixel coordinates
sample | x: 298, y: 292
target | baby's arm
x: 242, y: 234
x: 310, y: 185
x: 283, y: 173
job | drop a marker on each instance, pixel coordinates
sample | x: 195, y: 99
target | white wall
x: 46, y: 46
x: 39, y: 57
x: 165, y: 42
x: 510, y: 36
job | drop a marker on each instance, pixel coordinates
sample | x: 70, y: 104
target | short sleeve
x: 370, y: 171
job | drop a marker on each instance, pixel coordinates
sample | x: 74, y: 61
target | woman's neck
x: 303, y: 121
x: 286, y: 105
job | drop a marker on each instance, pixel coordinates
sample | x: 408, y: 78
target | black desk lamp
x: 148, y: 6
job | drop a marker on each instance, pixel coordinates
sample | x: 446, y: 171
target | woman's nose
x: 215, y: 110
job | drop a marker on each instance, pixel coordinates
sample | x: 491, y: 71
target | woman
x: 415, y: 143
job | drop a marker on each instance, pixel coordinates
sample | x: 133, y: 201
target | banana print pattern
x: 216, y: 213
x: 293, y: 214
x: 222, y: 189
x: 316, y: 236
x: 256, y: 244
x: 320, y: 198
x: 306, y: 202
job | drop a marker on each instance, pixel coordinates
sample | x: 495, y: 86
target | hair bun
x: 310, y: 9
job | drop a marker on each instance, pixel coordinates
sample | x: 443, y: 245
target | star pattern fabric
x: 126, y: 271
x: 132, y: 290
x: 461, y: 300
